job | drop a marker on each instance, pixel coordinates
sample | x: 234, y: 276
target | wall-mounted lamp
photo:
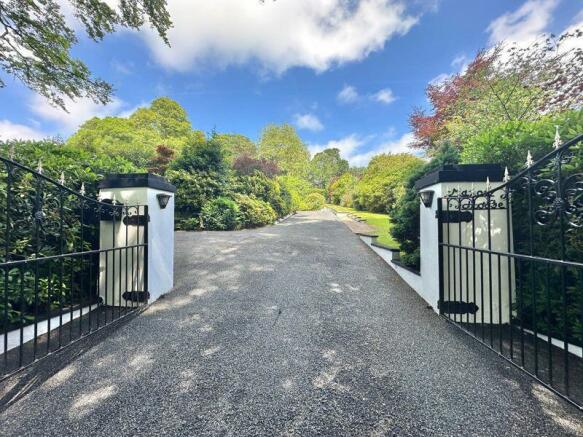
x: 163, y: 200
x: 427, y: 197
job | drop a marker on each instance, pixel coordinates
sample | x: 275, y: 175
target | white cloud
x: 277, y: 35
x: 14, y: 131
x: 351, y: 147
x: 347, y: 145
x: 348, y: 94
x: 308, y: 122
x: 384, y: 96
x: 524, y: 24
x: 439, y: 79
x: 399, y: 145
x: 80, y: 111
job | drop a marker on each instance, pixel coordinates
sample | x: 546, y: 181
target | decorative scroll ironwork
x: 518, y: 262
x: 68, y: 263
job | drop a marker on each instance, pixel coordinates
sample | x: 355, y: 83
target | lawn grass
x: 382, y: 222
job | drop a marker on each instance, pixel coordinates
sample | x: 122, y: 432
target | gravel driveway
x: 296, y: 328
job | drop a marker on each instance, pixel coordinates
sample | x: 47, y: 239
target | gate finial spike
x: 82, y: 190
x: 506, y: 175
x: 529, y: 160
x: 62, y: 178
x: 39, y: 167
x: 557, y: 142
x: 488, y: 186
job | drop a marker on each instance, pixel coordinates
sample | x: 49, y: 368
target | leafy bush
x: 261, y: 187
x: 202, y: 156
x: 382, y: 181
x: 405, y: 213
x: 220, y: 214
x: 509, y: 142
x: 194, y: 190
x: 254, y: 212
x: 314, y: 202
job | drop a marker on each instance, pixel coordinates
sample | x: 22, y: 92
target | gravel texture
x: 297, y: 328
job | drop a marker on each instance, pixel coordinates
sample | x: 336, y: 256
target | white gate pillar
x: 157, y: 194
x: 436, y: 185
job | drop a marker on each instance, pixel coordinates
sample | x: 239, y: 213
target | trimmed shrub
x: 220, y: 214
x: 314, y: 202
x: 254, y: 212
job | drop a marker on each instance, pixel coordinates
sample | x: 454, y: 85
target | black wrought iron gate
x: 69, y: 264
x: 511, y: 271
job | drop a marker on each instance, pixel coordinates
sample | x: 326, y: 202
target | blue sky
x: 346, y: 73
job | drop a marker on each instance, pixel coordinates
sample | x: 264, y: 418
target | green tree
x: 382, y: 182
x: 326, y: 165
x: 340, y: 189
x: 236, y: 145
x: 167, y: 119
x: 283, y: 145
x: 36, y: 42
x: 207, y: 156
x: 136, y: 137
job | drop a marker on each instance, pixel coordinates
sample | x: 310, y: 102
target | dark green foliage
x: 202, y: 156
x: 195, y: 189
x: 405, y: 214
x: 253, y: 212
x: 220, y: 214
x: 509, y: 142
x: 261, y: 187
x: 77, y: 166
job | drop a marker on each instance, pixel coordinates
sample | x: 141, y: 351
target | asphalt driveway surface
x: 297, y: 328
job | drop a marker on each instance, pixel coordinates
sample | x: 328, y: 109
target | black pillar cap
x: 462, y: 173
x: 135, y: 180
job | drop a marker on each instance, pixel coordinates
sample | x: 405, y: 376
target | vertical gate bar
x: 459, y: 209
x: 454, y: 275
x: 22, y: 307
x: 146, y: 288
x: 71, y: 301
x: 473, y: 199
x: 508, y: 249
x: 482, y: 294
x: 448, y: 260
x: 49, y: 293
x: 467, y: 287
x: 126, y: 261
x: 61, y: 263
x: 499, y: 304
x: 489, y: 220
x: 549, y: 323
x: 120, y: 210
x: 440, y: 253
x: 37, y: 219
x: 113, y: 278
x: 138, y: 253
x: 9, y: 170
x: 560, y: 211
x: 81, y: 271
x: 531, y: 286
x: 519, y: 271
x: 133, y: 251
x: 534, y: 320
x: 106, y: 285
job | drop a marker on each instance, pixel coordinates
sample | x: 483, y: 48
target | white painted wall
x: 492, y: 297
x: 160, y: 247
